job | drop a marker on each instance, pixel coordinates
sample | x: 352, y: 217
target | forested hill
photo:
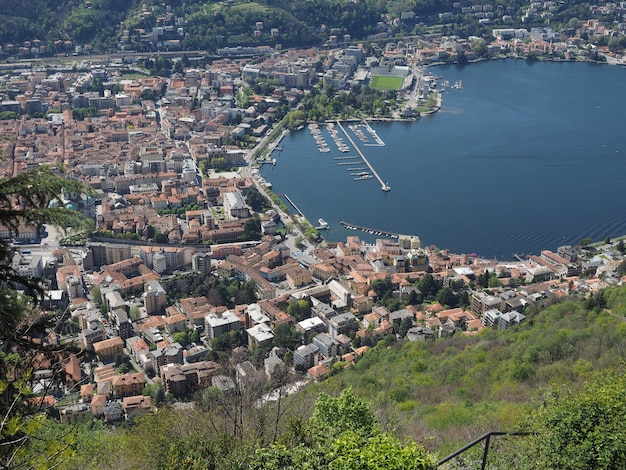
x: 440, y: 394
x: 114, y: 25
x: 49, y: 21
x: 449, y: 391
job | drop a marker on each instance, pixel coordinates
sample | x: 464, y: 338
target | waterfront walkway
x: 384, y: 186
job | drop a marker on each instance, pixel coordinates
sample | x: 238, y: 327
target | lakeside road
x: 286, y: 219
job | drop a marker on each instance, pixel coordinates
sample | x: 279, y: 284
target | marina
x: 336, y: 138
x: 358, y: 132
x: 322, y: 146
x: 383, y: 185
x: 557, y: 156
x: 372, y: 132
x: 369, y: 230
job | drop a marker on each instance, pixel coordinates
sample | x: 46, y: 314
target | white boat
x: 323, y: 225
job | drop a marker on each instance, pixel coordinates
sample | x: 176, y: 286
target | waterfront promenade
x: 384, y: 186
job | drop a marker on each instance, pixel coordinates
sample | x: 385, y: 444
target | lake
x: 524, y: 157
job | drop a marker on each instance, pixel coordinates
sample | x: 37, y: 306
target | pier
x: 370, y: 230
x: 294, y: 205
x: 384, y: 186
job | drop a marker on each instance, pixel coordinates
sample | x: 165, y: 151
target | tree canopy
x: 582, y: 428
x: 25, y: 201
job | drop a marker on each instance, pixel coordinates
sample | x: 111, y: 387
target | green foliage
x: 252, y: 229
x: 79, y: 114
x: 182, y: 338
x: 286, y: 336
x: 583, y: 428
x: 300, y: 309
x: 344, y: 434
x: 333, y: 416
x: 24, y: 199
x: 360, y: 102
x: 8, y: 115
x: 228, y: 341
x: 496, y: 372
x: 621, y: 269
x: 257, y: 201
x: 134, y: 313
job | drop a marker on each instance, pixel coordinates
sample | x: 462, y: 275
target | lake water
x: 525, y: 157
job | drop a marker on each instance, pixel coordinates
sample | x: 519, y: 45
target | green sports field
x: 386, y: 82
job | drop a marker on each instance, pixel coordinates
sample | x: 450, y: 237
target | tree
x: 621, y: 269
x: 256, y: 200
x: 24, y: 200
x: 382, y: 287
x: 286, y: 336
x: 429, y: 286
x: 494, y: 282
x: 160, y: 237
x: 150, y: 231
x: 252, y: 229
x: 134, y: 313
x: 405, y: 325
x: 620, y: 247
x: 181, y: 338
x: 300, y: 309
x: 584, y: 428
x: 342, y: 433
x: 414, y: 298
x: 446, y: 296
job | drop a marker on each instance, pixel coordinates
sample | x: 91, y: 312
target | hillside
x: 49, y: 27
x: 441, y: 394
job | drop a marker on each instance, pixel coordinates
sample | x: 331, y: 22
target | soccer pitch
x: 387, y: 82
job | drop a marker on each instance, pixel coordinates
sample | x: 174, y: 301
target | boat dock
x: 351, y: 157
x: 336, y: 138
x: 384, y: 186
x: 322, y: 146
x: 372, y: 231
x: 372, y: 132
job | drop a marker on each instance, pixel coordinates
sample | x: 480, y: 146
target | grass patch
x: 386, y: 82
x: 250, y: 8
x: 134, y: 76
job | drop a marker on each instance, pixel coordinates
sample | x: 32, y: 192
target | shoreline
x: 536, y: 59
x: 457, y: 74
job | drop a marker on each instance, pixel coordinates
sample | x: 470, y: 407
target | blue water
x: 525, y: 157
